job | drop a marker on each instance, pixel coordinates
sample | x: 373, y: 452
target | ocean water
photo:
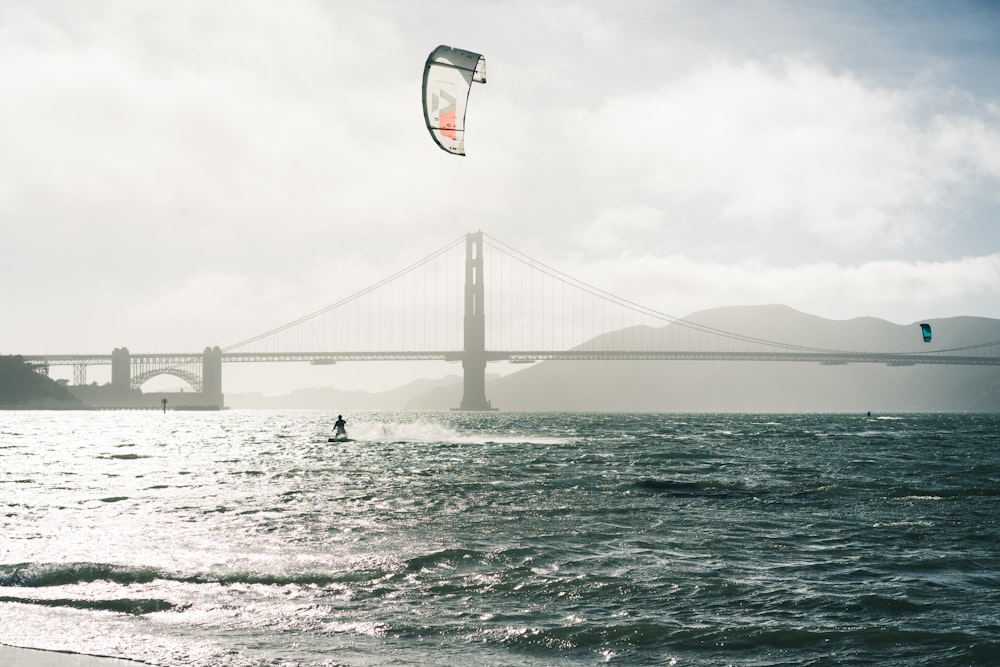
x: 247, y: 539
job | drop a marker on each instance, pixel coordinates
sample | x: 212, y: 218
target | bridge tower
x: 121, y: 370
x: 474, y: 349
x: 211, y: 374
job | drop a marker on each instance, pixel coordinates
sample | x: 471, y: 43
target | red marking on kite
x: 447, y: 125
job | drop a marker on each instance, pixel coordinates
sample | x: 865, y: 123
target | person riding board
x: 341, y: 427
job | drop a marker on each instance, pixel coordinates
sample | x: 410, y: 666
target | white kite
x: 448, y: 76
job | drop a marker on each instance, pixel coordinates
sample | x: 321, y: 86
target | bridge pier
x: 121, y: 371
x: 474, y: 385
x: 211, y: 375
x: 474, y: 353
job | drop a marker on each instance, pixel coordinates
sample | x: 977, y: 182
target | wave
x: 50, y: 575
x: 881, y: 604
x: 454, y: 558
x: 582, y: 636
x: 305, y: 579
x: 423, y: 432
x: 698, y: 489
x: 132, y: 606
x: 988, y: 490
x: 715, y: 489
x: 44, y: 575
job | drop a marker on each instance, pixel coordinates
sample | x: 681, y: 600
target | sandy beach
x: 22, y: 657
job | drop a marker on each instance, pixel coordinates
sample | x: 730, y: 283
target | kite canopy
x: 926, y: 330
x: 448, y: 76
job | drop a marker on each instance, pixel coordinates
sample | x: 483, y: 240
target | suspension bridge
x: 478, y: 301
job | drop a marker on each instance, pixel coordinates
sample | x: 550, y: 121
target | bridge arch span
x: 193, y: 380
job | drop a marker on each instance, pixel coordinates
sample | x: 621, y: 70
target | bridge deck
x: 530, y: 356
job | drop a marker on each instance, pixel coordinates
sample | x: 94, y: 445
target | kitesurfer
x: 341, y: 427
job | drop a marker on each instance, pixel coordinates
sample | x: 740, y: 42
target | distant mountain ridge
x: 331, y: 398
x: 730, y: 386
x: 771, y: 322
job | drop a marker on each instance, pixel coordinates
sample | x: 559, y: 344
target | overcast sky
x: 179, y: 173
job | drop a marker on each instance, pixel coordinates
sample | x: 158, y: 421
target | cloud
x: 194, y: 120
x: 792, y: 151
x: 898, y: 290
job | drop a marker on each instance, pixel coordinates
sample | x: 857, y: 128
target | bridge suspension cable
x: 350, y: 299
x: 610, y: 298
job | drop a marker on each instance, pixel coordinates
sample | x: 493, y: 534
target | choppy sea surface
x: 247, y: 539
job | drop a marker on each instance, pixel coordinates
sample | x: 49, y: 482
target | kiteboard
x: 340, y: 439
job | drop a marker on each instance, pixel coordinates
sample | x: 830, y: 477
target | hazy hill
x: 673, y: 386
x: 754, y: 386
x: 331, y: 398
x: 22, y: 387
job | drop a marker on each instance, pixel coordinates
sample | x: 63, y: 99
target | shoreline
x: 12, y: 656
